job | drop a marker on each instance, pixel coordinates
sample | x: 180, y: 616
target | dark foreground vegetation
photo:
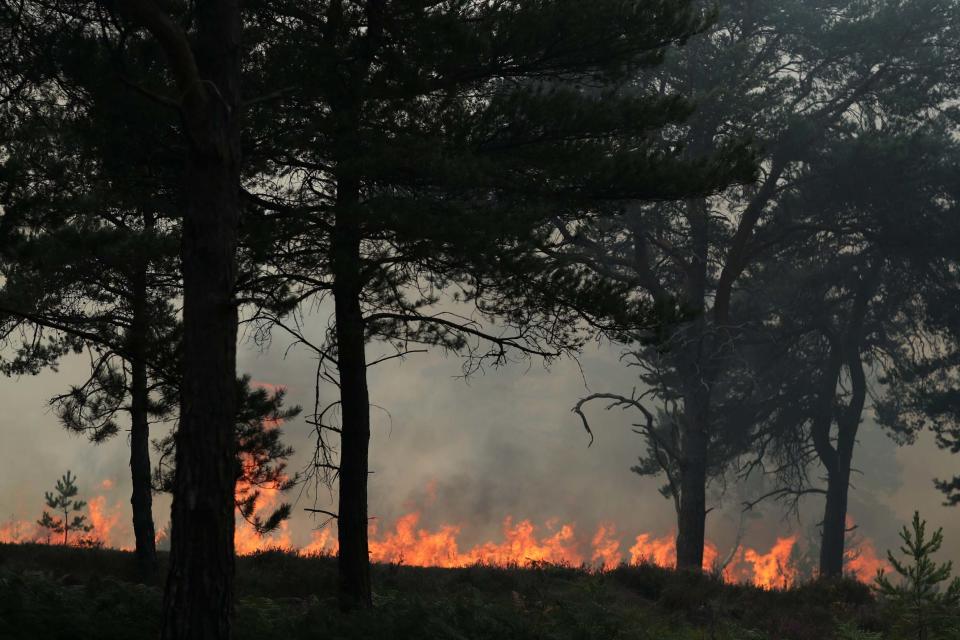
x: 59, y: 592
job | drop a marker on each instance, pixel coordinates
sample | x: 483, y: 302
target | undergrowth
x: 55, y: 592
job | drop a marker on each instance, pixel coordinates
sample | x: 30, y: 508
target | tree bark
x: 353, y: 560
x: 141, y: 498
x: 198, y: 602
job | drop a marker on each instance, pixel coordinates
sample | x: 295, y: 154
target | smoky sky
x: 473, y: 452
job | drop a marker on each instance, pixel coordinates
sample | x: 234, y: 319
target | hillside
x: 53, y: 592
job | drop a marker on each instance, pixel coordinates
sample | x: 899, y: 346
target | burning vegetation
x: 521, y: 544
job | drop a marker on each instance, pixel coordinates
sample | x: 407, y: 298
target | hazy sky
x: 473, y: 452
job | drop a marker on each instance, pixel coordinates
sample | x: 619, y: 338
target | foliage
x: 261, y: 454
x: 923, y: 608
x: 62, y: 501
x: 814, y: 86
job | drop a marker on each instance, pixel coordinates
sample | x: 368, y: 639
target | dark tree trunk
x: 833, y: 525
x: 353, y: 559
x: 141, y: 498
x: 837, y: 460
x: 834, y: 531
x: 198, y: 602
x: 833, y: 537
x: 697, y: 364
x: 691, y: 520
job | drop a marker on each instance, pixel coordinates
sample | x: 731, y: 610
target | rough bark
x: 141, y: 498
x: 353, y: 559
x: 198, y: 602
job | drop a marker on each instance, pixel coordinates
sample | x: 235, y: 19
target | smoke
x: 472, y: 452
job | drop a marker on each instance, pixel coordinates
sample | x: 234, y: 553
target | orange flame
x: 659, y: 551
x: 246, y: 539
x: 773, y: 570
x: 406, y: 542
x: 606, y: 547
x: 860, y: 558
x: 662, y: 552
x: 110, y: 524
x: 20, y: 531
x: 322, y: 543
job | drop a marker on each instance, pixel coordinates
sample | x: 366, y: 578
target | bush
x: 920, y: 605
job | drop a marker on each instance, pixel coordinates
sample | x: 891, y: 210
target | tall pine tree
x: 419, y: 145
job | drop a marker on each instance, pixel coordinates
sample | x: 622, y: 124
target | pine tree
x: 61, y: 500
x: 421, y: 149
x: 790, y: 76
x: 920, y: 603
x: 261, y: 455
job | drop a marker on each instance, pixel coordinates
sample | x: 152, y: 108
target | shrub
x: 919, y: 604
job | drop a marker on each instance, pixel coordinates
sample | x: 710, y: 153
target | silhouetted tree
x: 920, y: 604
x: 846, y: 303
x: 63, y: 501
x: 89, y: 242
x: 201, y: 44
x: 797, y: 78
x: 261, y: 455
x: 419, y: 146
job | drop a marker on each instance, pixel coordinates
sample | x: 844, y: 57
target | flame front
x: 408, y: 544
x: 520, y: 544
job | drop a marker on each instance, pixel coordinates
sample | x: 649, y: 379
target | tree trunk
x: 198, y: 602
x: 691, y: 520
x: 353, y: 559
x: 834, y: 531
x: 141, y: 498
x: 697, y: 364
x: 837, y: 460
x: 833, y: 537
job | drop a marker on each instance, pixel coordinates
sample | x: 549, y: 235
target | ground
x: 52, y: 592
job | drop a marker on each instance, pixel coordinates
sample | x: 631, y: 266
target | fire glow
x: 406, y: 542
